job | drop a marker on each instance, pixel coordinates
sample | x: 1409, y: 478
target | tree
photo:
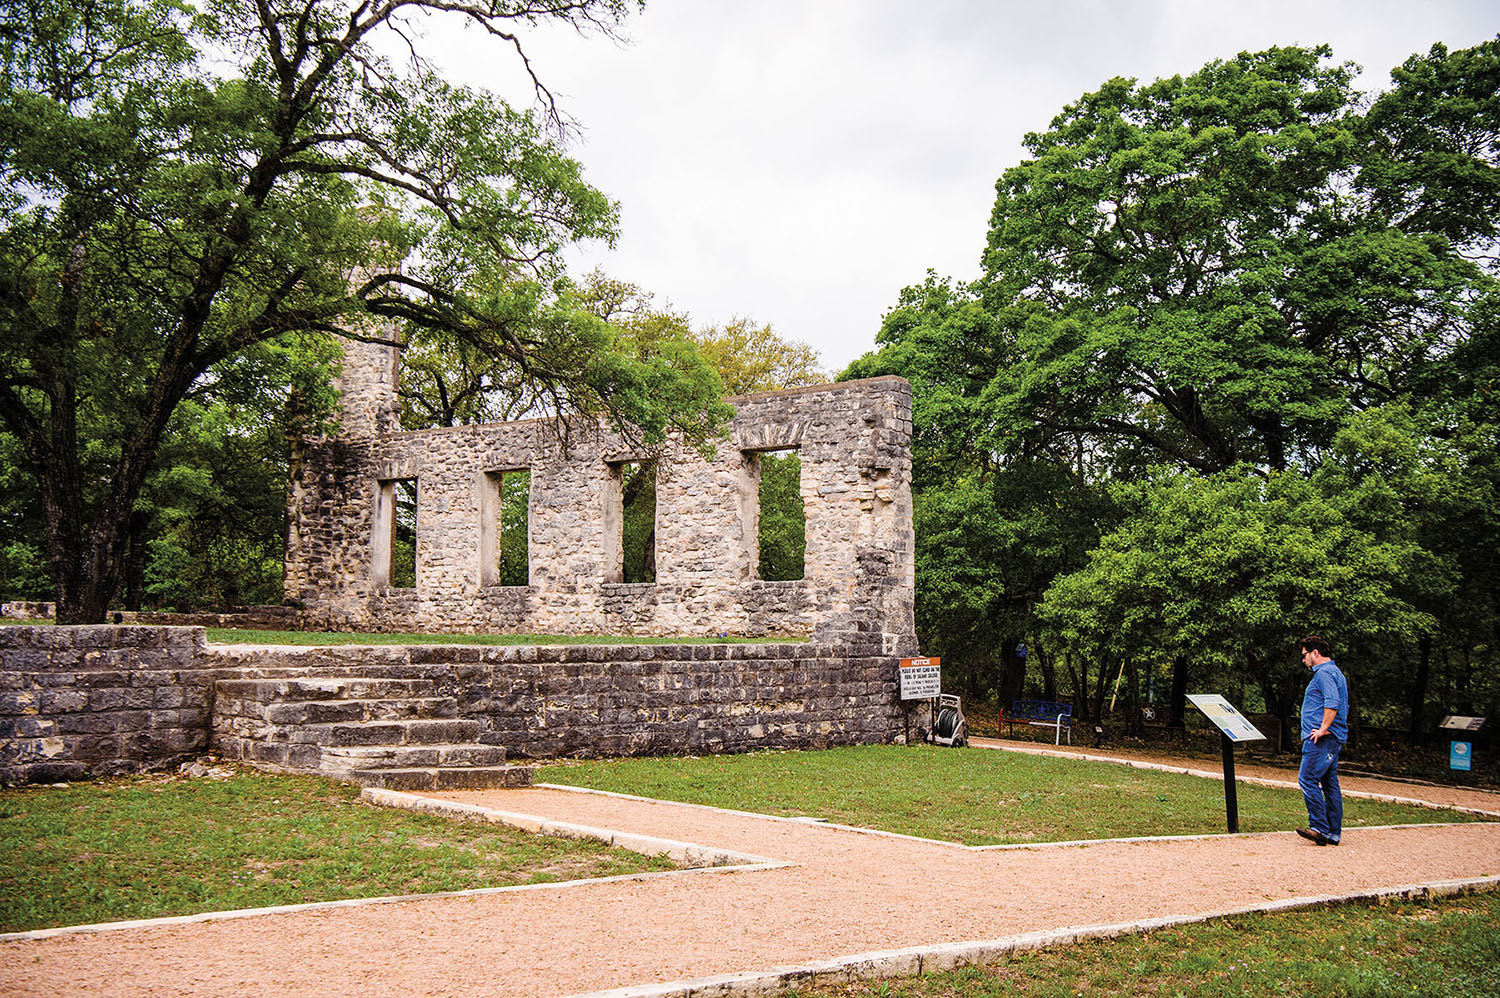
x: 1231, y: 284
x: 1187, y: 273
x: 182, y: 186
x: 751, y: 357
x: 993, y: 528
x: 782, y: 526
x: 1219, y: 574
x: 1435, y: 146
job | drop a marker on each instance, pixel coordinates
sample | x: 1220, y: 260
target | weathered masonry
x: 852, y: 440
x: 77, y: 702
x: 80, y: 701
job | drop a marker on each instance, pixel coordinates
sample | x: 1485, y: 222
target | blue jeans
x: 1319, y: 780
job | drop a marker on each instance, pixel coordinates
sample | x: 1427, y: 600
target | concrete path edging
x: 285, y: 909
x: 950, y: 956
x: 689, y: 853
x: 1217, y: 775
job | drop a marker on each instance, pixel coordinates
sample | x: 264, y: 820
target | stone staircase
x: 397, y: 733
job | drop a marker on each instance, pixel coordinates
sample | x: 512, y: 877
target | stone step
x: 342, y: 759
x: 414, y: 731
x: 333, y: 711
x: 280, y: 755
x: 323, y: 688
x: 443, y: 778
x: 345, y: 762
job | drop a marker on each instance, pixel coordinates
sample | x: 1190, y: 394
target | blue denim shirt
x: 1327, y: 688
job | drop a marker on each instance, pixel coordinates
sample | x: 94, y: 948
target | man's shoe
x: 1316, y: 837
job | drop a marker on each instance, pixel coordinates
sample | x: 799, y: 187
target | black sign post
x: 1231, y: 803
x: 1233, y: 727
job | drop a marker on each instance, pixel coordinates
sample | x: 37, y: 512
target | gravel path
x: 840, y: 893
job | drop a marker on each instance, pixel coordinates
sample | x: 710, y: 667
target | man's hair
x: 1314, y: 643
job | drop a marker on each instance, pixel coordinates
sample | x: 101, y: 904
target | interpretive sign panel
x: 1228, y: 720
x: 1457, y: 722
x: 921, y: 678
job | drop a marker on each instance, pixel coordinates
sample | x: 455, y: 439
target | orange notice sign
x: 921, y: 678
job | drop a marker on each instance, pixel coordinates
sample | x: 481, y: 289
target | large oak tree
x: 188, y: 190
x: 1218, y: 284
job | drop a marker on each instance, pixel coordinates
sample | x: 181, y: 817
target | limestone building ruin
x: 96, y: 700
x: 852, y: 440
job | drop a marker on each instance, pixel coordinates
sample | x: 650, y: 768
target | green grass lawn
x: 1443, y: 949
x: 141, y: 848
x: 974, y: 796
x: 229, y: 635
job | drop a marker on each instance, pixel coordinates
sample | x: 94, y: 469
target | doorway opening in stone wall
x: 504, y: 531
x: 781, y: 526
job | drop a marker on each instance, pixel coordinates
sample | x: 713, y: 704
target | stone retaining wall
x: 99, y: 700
x: 256, y: 618
x: 83, y: 701
x: 28, y: 610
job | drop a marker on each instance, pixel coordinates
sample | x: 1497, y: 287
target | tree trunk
x: 1080, y: 678
x: 1286, y: 700
x: 1177, y: 705
x: 1101, y: 687
x: 135, y: 564
x: 1417, y: 732
x: 1134, y: 724
x: 1080, y: 691
x: 1049, y: 673
x: 1012, y: 679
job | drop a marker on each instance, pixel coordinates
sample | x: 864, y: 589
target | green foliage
x: 1436, y: 162
x: 751, y: 358
x: 188, y: 194
x: 404, y: 535
x: 1185, y: 272
x: 638, y: 537
x: 1230, y: 373
x: 23, y: 564
x: 1227, y: 570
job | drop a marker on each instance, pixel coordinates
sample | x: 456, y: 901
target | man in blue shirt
x: 1325, y: 729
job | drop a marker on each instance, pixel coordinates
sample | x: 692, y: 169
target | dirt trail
x: 843, y: 893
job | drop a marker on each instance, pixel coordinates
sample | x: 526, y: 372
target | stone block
x: 107, y: 698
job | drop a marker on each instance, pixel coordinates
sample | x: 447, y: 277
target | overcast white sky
x: 801, y: 161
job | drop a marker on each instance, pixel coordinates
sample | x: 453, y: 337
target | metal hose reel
x: 949, y: 727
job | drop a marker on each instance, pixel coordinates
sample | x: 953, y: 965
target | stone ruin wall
x: 853, y: 440
x: 78, y: 702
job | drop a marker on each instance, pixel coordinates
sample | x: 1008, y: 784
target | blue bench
x: 1041, y: 714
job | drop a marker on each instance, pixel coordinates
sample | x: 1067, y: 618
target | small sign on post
x: 1460, y: 752
x: 921, y: 679
x: 1233, y: 727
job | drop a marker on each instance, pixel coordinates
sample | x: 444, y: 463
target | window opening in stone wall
x: 504, y: 528
x: 638, y: 529
x: 781, y: 533
x: 404, y: 534
x: 515, y: 502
